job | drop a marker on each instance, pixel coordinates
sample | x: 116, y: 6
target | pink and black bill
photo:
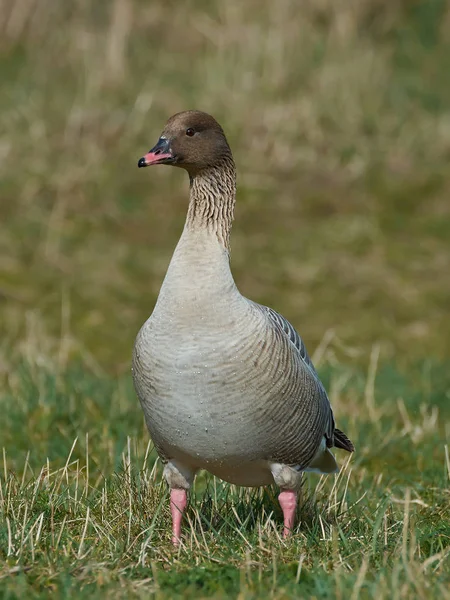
x: 160, y: 154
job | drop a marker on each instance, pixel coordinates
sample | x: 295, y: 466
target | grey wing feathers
x: 334, y: 437
x: 292, y: 334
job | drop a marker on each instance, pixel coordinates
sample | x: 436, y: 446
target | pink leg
x: 178, y: 502
x: 288, y: 503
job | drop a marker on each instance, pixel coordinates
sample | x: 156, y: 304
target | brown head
x: 192, y: 140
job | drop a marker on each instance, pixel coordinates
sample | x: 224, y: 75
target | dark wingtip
x: 342, y: 441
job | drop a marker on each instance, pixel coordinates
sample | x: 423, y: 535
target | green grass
x: 338, y: 116
x: 83, y: 512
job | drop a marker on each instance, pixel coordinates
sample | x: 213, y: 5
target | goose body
x: 225, y: 384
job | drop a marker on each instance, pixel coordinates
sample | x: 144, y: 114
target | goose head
x: 192, y: 140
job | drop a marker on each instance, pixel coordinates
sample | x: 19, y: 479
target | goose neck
x: 212, y: 200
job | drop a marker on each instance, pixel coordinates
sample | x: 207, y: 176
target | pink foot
x: 178, y: 502
x: 288, y: 503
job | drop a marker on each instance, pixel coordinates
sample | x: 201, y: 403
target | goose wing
x: 334, y: 437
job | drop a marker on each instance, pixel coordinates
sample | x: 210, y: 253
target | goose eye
x: 190, y: 131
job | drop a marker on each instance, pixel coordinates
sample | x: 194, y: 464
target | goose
x: 225, y: 384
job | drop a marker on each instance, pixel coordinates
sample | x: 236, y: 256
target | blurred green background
x: 338, y: 114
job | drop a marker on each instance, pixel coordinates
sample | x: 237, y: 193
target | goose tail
x: 342, y: 441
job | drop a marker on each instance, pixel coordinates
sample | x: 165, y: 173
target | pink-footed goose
x: 225, y: 384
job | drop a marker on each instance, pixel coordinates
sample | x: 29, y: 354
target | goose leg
x: 178, y: 502
x: 179, y: 477
x: 289, y: 479
x: 288, y: 503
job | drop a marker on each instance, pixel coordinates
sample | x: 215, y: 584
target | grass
x: 338, y: 116
x: 92, y: 519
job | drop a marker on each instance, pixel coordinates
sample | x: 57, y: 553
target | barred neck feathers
x: 212, y: 200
